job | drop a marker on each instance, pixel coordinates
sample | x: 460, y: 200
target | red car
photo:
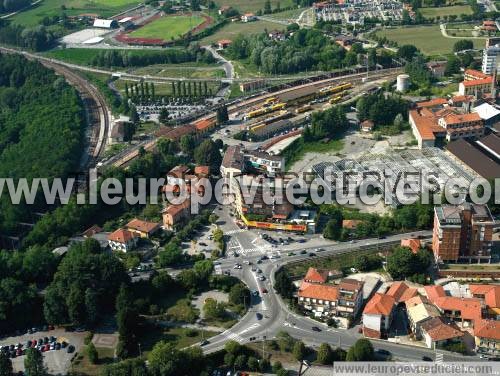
x: 264, y: 291
x: 47, y: 347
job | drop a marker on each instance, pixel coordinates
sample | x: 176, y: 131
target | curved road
x: 277, y: 316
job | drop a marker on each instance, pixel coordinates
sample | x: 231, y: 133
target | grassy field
x: 446, y: 11
x: 230, y: 31
x: 291, y: 14
x: 254, y: 5
x: 181, y: 71
x: 49, y: 8
x: 169, y: 27
x: 298, y: 149
x: 82, y: 365
x: 426, y: 38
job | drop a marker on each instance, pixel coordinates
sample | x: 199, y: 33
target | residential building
x: 476, y: 87
x: 490, y: 296
x: 142, y: 228
x: 224, y: 43
x: 487, y: 338
x: 91, y: 231
x: 472, y: 74
x: 401, y: 292
x: 437, y: 333
x: 343, y: 300
x: 462, y: 232
x: 248, y: 17
x: 122, y: 240
x: 233, y: 162
x: 413, y: 243
x: 264, y: 162
x: 490, y: 59
x: 366, y: 126
x: 465, y: 311
x: 437, y: 68
x: 350, y: 297
x: 419, y: 309
x: 437, y: 120
x: 314, y: 275
x: 377, y: 315
x: 174, y: 215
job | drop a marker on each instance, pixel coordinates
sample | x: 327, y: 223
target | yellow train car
x: 278, y: 106
x: 271, y: 100
x: 303, y: 109
x: 335, y: 99
x: 334, y: 89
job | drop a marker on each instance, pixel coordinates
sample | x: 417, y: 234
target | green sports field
x: 168, y: 27
x: 456, y: 10
x: 49, y: 8
x: 428, y: 39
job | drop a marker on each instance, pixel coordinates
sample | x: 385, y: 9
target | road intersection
x: 274, y: 313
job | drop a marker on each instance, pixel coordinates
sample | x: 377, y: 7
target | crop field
x: 426, y: 38
x: 168, y: 28
x: 456, y: 10
x: 160, y: 88
x: 49, y: 8
x: 230, y: 31
x: 254, y: 5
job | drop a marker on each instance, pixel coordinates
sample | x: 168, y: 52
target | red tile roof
x: 487, y: 329
x: 401, y: 292
x: 380, y: 304
x: 91, y: 231
x: 470, y: 308
x: 318, y: 291
x: 482, y: 81
x: 462, y: 118
x: 204, y: 123
x: 142, y: 226
x: 315, y: 275
x: 475, y: 73
x: 491, y: 294
x: 432, y: 103
x: 439, y: 330
x: 412, y: 243
x: 202, y: 170
x: 122, y: 236
x: 434, y: 292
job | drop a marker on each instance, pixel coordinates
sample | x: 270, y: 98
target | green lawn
x: 298, y: 149
x: 254, y: 5
x: 426, y: 38
x: 291, y: 14
x: 188, y: 70
x: 168, y: 27
x: 456, y: 10
x: 230, y: 31
x: 49, y: 8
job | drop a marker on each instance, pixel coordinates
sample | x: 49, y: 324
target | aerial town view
x: 264, y: 187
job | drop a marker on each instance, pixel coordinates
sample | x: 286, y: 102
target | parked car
x: 316, y: 329
x: 71, y: 348
x: 258, y: 315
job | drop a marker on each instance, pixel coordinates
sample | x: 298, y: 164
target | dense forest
x: 41, y: 129
x: 37, y: 38
x: 124, y: 58
x: 304, y: 50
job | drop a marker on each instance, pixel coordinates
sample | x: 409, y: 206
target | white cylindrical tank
x: 403, y: 82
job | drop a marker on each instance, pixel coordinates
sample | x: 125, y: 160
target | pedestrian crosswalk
x: 231, y: 232
x: 238, y: 336
x: 439, y: 357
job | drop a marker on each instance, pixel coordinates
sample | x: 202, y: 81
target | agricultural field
x: 291, y: 14
x: 49, y: 8
x: 168, y: 28
x: 426, y: 38
x: 456, y: 10
x: 253, y: 6
x: 230, y: 31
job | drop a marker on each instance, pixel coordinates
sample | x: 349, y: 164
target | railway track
x: 240, y: 106
x: 98, y: 118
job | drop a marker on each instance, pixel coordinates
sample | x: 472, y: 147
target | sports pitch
x: 168, y: 27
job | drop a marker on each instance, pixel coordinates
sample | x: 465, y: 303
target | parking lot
x: 57, y: 362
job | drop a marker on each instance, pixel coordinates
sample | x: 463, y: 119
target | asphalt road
x: 275, y: 314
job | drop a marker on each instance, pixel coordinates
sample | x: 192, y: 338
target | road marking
x: 231, y: 232
x: 251, y: 327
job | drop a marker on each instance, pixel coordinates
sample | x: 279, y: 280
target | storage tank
x: 403, y: 82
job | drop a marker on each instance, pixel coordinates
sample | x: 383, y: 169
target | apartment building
x: 377, y: 315
x: 462, y: 232
x: 487, y: 338
x: 490, y: 59
x: 437, y: 332
x: 122, y: 240
x: 325, y: 300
